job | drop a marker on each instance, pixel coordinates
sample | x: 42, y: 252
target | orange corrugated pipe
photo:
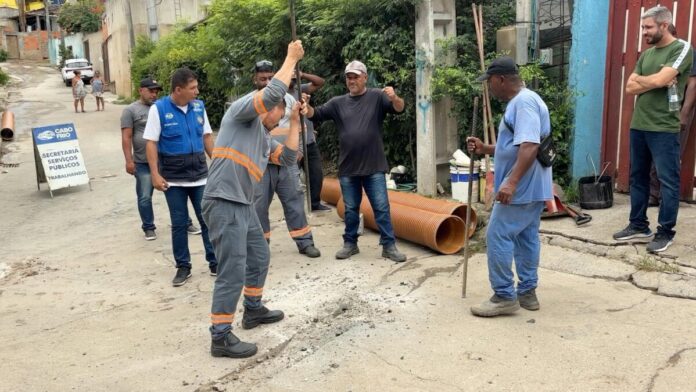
x: 8, y: 125
x: 442, y: 233
x: 331, y: 190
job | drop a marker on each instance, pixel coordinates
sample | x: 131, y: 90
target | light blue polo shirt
x: 529, y: 116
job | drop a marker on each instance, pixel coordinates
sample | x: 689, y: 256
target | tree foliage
x: 84, y: 16
x: 380, y: 33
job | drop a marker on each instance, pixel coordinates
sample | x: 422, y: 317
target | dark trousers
x: 177, y: 199
x: 316, y: 175
x: 661, y: 148
x: 654, y: 182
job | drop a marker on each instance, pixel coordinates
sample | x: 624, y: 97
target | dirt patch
x: 16, y: 272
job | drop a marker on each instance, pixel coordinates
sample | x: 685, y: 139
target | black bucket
x: 595, y: 194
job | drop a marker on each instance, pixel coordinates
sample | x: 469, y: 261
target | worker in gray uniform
x: 242, y: 150
x: 282, y: 180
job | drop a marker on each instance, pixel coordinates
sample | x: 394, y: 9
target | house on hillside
x: 24, y: 28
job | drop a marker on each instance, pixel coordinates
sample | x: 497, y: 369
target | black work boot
x: 230, y: 346
x: 310, y: 251
x: 253, y: 317
x: 347, y: 251
x: 393, y: 254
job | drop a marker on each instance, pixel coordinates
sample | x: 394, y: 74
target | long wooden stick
x: 487, y: 96
x: 298, y: 87
x: 469, y: 205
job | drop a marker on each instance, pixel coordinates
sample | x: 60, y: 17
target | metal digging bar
x: 298, y: 86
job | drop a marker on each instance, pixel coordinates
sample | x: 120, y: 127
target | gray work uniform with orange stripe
x: 242, y: 151
x: 284, y: 181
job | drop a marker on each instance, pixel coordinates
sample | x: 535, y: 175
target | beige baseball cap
x: 356, y: 67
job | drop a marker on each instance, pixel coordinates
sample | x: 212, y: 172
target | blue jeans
x: 662, y: 148
x: 375, y: 187
x: 513, y: 234
x: 143, y: 188
x: 177, y: 200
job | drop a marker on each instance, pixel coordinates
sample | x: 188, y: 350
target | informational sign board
x: 58, y: 157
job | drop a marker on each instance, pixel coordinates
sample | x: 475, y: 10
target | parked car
x: 82, y: 65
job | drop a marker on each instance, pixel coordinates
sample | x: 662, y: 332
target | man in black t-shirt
x: 361, y: 163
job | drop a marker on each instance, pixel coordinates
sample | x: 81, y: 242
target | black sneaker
x: 393, y: 254
x: 310, y: 251
x: 193, y: 229
x: 150, y: 235
x: 321, y: 208
x: 629, y: 233
x: 253, y: 317
x: 660, y: 243
x: 213, y: 270
x: 230, y: 346
x: 182, y: 275
x: 529, y: 300
x: 347, y: 251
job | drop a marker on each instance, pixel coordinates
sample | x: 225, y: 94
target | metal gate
x: 624, y: 45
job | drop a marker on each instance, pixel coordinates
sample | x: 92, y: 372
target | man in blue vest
x: 179, y: 136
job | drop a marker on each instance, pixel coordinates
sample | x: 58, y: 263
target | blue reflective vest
x: 180, y: 146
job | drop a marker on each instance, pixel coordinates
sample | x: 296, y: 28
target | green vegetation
x: 4, y: 78
x: 650, y: 264
x: 83, y: 16
x: 64, y: 53
x: 3, y: 55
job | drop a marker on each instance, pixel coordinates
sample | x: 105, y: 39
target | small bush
x: 3, y: 55
x: 4, y: 78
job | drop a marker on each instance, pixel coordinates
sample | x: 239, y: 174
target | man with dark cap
x: 522, y: 185
x: 133, y: 120
x: 362, y: 163
x: 282, y: 180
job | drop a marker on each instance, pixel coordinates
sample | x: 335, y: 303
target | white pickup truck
x: 82, y: 65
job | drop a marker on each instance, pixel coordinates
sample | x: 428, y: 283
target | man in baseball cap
x: 499, y: 66
x: 522, y: 185
x: 362, y: 162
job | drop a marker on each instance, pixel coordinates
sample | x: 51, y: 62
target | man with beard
x: 655, y: 129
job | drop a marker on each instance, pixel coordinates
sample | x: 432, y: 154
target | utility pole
x: 22, y: 16
x: 129, y: 21
x: 152, y: 21
x: 48, y: 20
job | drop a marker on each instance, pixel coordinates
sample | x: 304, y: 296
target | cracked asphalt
x: 87, y: 304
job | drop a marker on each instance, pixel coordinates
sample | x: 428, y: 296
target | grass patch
x: 571, y: 192
x: 650, y: 264
x: 124, y: 100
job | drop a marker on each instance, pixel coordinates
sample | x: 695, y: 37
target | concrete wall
x: 31, y: 46
x: 76, y: 42
x: 118, y: 35
x: 587, y: 71
x: 94, y: 41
